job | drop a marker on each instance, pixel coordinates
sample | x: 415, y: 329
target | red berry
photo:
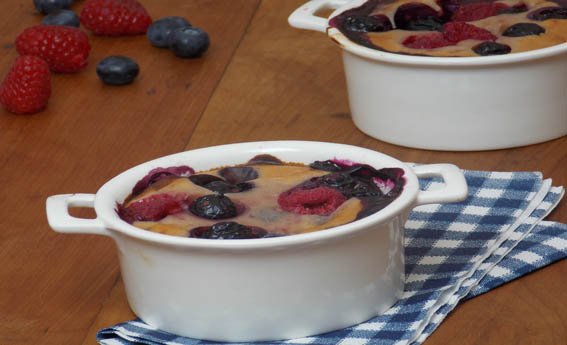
x: 477, y: 11
x: 460, y: 31
x: 64, y: 48
x: 154, y: 207
x: 453, y: 33
x: 427, y: 41
x: 27, y: 86
x: 157, y: 174
x: 115, y: 17
x: 320, y: 200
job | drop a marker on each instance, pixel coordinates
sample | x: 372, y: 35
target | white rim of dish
x: 105, y: 204
x: 380, y: 55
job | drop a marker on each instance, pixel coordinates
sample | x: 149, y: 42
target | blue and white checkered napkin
x: 453, y: 252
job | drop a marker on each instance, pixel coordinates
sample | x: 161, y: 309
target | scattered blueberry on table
x: 188, y: 42
x: 117, y: 70
x: 159, y: 31
x: 48, y: 6
x: 62, y: 17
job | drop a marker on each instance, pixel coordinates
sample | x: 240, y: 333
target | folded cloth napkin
x: 453, y: 252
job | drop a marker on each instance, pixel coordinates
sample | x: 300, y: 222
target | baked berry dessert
x: 455, y: 27
x: 264, y: 197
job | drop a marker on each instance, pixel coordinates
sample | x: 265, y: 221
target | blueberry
x: 238, y: 174
x: 117, y: 70
x: 188, y: 42
x: 217, y: 184
x: 327, y: 165
x: 48, y: 6
x: 362, y: 23
x: 546, y: 13
x: 226, y: 187
x: 203, y: 179
x: 158, y: 33
x: 61, y: 17
x: 523, y: 29
x: 228, y: 231
x: 518, y: 8
x: 427, y: 24
x: 491, y: 48
x: 213, y: 206
x: 416, y: 16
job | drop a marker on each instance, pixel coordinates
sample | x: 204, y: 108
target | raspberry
x: 320, y: 200
x: 154, y: 207
x: 477, y: 11
x: 460, y: 31
x: 64, y: 48
x: 428, y: 41
x: 159, y: 173
x: 228, y: 231
x: 115, y: 17
x: 27, y: 86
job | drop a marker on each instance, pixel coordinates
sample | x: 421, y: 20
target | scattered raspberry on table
x: 27, y: 86
x: 115, y: 17
x: 65, y: 49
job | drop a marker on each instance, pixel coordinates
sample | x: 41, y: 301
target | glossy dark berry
x: 117, y: 70
x: 48, y: 6
x: 226, y: 187
x: 523, y: 29
x: 428, y: 24
x: 362, y: 23
x: 265, y: 159
x: 159, y: 31
x: 62, y: 17
x: 214, y: 206
x: 327, y: 165
x: 238, y: 174
x: 188, y: 42
x: 518, y: 8
x: 491, y: 48
x: 416, y: 16
x: 203, y: 179
x: 228, y: 231
x: 546, y: 13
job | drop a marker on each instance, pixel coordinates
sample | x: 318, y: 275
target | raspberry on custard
x: 477, y: 11
x: 27, y: 86
x: 154, y: 207
x: 460, y: 31
x: 159, y: 173
x: 319, y: 201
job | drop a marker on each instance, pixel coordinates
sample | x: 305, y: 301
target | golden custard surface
x: 261, y: 206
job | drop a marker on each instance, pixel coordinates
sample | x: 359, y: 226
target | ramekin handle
x: 304, y: 17
x: 58, y: 217
x: 455, y: 188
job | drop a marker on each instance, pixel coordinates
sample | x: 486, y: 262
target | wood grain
x: 260, y: 80
x: 53, y: 285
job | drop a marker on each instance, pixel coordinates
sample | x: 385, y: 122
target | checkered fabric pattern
x: 453, y: 251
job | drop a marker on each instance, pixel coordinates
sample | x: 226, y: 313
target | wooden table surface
x: 260, y: 80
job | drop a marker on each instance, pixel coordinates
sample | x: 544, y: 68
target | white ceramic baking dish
x: 449, y: 103
x: 260, y: 289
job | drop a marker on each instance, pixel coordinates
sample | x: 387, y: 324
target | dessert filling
x: 455, y: 27
x: 264, y: 197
